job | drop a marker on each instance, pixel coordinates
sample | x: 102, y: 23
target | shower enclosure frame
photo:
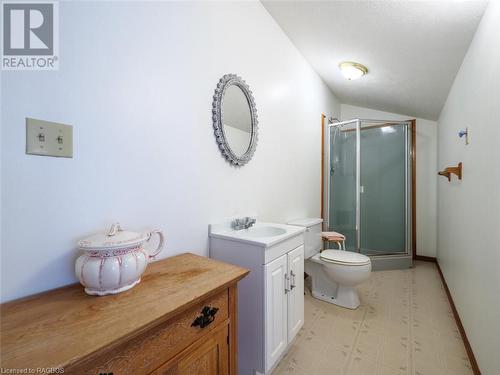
x: 382, y: 261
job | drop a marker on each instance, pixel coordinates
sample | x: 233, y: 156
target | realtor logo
x: 30, y: 36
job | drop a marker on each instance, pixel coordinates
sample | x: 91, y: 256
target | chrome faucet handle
x: 236, y: 224
x: 249, y: 222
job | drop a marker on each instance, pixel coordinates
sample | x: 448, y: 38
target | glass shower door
x: 343, y: 182
x: 383, y: 189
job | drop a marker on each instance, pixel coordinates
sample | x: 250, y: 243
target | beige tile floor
x: 404, y: 326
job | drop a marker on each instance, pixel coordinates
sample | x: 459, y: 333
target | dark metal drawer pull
x: 207, y: 316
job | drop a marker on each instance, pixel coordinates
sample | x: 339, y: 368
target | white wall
x: 136, y: 81
x: 469, y: 210
x: 426, y: 172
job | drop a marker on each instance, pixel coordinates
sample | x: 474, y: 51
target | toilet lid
x: 344, y: 257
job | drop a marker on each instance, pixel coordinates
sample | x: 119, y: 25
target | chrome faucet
x: 243, y: 223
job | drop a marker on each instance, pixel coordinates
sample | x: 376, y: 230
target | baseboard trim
x: 425, y: 258
x: 468, y: 348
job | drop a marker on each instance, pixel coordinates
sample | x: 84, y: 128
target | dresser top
x: 60, y: 327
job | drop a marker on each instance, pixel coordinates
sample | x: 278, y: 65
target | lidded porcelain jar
x: 113, y: 262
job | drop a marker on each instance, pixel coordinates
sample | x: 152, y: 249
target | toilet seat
x: 343, y: 257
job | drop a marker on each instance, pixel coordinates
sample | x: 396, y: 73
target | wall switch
x: 48, y: 138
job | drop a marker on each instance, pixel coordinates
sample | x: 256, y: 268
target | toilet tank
x: 312, y: 235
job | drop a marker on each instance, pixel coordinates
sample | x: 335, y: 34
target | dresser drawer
x: 145, y: 353
x: 208, y: 356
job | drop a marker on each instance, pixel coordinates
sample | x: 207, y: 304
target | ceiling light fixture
x: 352, y: 70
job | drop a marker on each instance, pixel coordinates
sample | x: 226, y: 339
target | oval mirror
x: 235, y: 119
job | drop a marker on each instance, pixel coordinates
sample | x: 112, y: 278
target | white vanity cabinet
x: 295, y: 296
x: 284, y: 305
x: 271, y: 297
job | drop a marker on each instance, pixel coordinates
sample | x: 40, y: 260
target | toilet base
x: 346, y: 297
x: 324, y: 289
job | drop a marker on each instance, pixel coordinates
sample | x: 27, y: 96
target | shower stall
x: 369, y: 185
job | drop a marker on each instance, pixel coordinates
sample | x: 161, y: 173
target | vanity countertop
x: 62, y: 326
x: 251, y: 236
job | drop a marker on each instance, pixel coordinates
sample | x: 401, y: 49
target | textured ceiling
x: 413, y: 49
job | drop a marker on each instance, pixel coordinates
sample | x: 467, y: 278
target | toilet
x: 334, y: 273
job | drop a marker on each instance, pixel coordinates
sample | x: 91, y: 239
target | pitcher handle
x: 160, y: 244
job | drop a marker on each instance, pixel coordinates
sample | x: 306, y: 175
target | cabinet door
x: 275, y: 310
x: 208, y: 356
x: 296, y: 294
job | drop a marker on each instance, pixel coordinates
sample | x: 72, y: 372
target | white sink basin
x: 264, y: 232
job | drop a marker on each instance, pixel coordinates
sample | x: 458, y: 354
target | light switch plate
x: 49, y: 138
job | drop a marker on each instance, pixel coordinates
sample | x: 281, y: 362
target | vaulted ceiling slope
x: 413, y: 49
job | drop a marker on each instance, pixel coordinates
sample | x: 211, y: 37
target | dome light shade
x: 351, y: 70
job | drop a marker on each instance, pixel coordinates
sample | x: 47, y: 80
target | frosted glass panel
x: 382, y: 198
x: 342, y: 210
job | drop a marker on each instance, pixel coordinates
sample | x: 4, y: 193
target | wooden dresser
x: 181, y: 319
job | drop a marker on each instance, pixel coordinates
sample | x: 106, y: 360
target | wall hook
x: 465, y: 133
x: 455, y: 170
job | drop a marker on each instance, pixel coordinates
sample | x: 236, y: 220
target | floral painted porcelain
x: 113, y: 262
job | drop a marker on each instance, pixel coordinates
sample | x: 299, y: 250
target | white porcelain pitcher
x: 113, y: 262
